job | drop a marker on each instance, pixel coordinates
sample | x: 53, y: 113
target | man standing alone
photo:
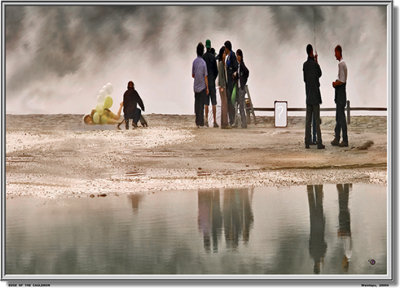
x: 340, y: 100
x: 200, y: 86
x: 312, y: 73
x: 212, y: 72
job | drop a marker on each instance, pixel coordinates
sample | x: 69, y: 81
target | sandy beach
x: 57, y: 156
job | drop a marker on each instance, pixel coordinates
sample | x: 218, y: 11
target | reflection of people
x: 111, y: 117
x: 212, y: 72
x: 312, y: 73
x: 238, y: 216
x: 344, y: 231
x: 131, y: 99
x: 340, y: 100
x: 317, y: 244
x: 210, y: 218
x: 135, y: 199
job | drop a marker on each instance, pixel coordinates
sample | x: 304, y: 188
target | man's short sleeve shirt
x: 342, y: 74
x: 199, y: 70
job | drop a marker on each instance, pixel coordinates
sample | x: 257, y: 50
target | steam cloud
x: 58, y: 56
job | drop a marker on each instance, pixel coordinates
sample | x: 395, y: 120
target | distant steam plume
x: 57, y: 57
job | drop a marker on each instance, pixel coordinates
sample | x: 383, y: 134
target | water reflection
x: 210, y: 217
x: 344, y: 231
x: 135, y: 199
x: 203, y: 231
x: 236, y: 216
x: 317, y: 244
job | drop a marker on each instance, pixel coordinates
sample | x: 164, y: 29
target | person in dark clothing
x: 131, y: 99
x: 142, y: 120
x: 340, y: 100
x: 243, y: 75
x: 222, y: 88
x: 212, y: 72
x: 312, y: 73
x: 212, y: 50
x: 231, y: 71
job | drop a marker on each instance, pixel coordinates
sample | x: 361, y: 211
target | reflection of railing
x: 348, y: 108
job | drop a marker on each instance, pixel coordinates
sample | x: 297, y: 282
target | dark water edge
x: 318, y: 229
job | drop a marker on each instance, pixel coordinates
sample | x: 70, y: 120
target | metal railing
x: 348, y: 109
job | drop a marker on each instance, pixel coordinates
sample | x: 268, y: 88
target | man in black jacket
x: 231, y: 69
x: 243, y: 75
x: 312, y: 73
x: 212, y: 72
x: 131, y: 99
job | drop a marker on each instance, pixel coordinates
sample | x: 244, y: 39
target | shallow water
x: 325, y: 229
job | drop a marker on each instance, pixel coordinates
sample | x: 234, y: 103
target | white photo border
x: 389, y: 278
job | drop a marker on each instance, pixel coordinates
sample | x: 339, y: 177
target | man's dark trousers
x: 134, y: 116
x: 231, y: 107
x: 314, y: 131
x: 212, y: 92
x: 199, y: 100
x: 341, y: 124
x: 313, y: 111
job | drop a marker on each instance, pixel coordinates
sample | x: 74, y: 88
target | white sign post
x: 280, y: 113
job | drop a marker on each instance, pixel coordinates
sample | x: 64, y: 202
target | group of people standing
x: 232, y: 76
x: 312, y: 73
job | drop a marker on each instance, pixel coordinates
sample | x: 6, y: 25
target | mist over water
x: 58, y: 57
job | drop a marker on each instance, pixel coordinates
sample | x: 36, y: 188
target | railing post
x: 348, y: 111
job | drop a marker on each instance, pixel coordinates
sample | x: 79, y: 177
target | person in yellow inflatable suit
x: 111, y: 118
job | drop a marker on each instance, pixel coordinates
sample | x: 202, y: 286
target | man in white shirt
x: 340, y: 100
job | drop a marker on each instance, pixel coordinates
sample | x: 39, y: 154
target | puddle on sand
x: 329, y: 229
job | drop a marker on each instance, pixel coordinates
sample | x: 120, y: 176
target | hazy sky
x: 59, y: 57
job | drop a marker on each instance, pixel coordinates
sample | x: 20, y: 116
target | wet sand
x: 58, y: 156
